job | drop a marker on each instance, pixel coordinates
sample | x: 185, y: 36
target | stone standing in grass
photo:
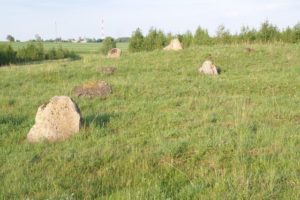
x: 107, y: 70
x: 93, y: 89
x: 56, y: 120
x: 248, y: 50
x: 208, y: 68
x: 114, y: 53
x: 174, y: 45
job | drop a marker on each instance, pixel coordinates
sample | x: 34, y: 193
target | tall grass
x: 166, y: 132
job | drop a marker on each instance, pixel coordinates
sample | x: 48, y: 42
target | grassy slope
x: 166, y: 132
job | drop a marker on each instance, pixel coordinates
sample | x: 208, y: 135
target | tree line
x: 267, y: 33
x: 32, y: 52
x: 38, y: 38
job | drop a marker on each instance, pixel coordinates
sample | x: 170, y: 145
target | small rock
x: 174, y: 45
x: 56, y: 120
x: 107, y: 70
x: 248, y: 50
x: 114, y: 53
x: 208, y: 68
x: 93, y: 89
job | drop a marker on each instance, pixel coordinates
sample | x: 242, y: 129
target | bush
x: 201, y: 37
x: 296, y: 33
x: 7, y: 55
x: 154, y: 40
x: 247, y: 35
x: 136, y: 42
x: 108, y: 44
x: 268, y: 32
x: 186, y: 39
x: 60, y: 53
x: 32, y: 52
x: 223, y: 35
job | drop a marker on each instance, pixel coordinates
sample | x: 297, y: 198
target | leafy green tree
x: 10, y: 38
x: 247, y: 35
x: 169, y: 37
x: 150, y: 40
x: 38, y: 38
x: 7, y: 55
x: 154, y: 40
x: 136, y: 41
x: 268, y: 32
x: 32, y: 52
x: 287, y: 35
x: 161, y: 40
x: 108, y: 44
x: 187, y: 39
x: 223, y: 35
x: 296, y: 33
x: 201, y: 37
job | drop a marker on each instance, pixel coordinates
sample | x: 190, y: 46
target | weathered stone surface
x: 114, y: 53
x: 174, y: 45
x: 93, y: 89
x: 248, y: 50
x: 208, y: 68
x: 56, y: 120
x: 107, y: 70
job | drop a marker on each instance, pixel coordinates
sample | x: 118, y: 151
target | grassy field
x: 82, y: 48
x: 166, y: 132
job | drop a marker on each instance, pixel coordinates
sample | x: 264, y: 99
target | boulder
x: 56, y: 120
x: 174, y: 45
x: 114, y: 53
x: 208, y: 68
x: 93, y: 89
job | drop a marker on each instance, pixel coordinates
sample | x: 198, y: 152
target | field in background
x: 76, y: 47
x: 166, y: 132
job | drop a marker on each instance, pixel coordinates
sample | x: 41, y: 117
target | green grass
x: 76, y: 47
x: 166, y: 132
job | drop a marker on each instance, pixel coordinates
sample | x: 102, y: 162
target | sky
x: 82, y: 18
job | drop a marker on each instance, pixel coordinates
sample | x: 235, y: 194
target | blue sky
x: 74, y: 18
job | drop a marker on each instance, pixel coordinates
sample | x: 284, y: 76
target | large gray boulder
x: 56, y: 120
x: 208, y: 68
x: 174, y: 45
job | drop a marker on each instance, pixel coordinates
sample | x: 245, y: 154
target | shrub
x: 169, y: 38
x: 296, y: 33
x: 10, y: 38
x: 107, y: 44
x: 161, y: 40
x: 223, y: 35
x: 136, y: 41
x: 268, y: 32
x: 201, y: 37
x: 32, y: 52
x: 247, y: 35
x: 60, y: 53
x: 7, y: 55
x: 154, y: 40
x: 186, y: 39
